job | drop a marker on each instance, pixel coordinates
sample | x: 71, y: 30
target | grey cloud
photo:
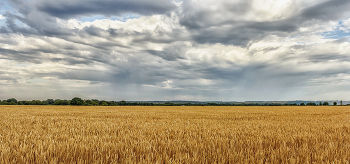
x: 70, y: 9
x: 330, y: 10
x: 231, y: 81
x: 240, y: 8
x: 38, y: 56
x: 170, y: 56
x: 204, y: 29
x: 299, y: 46
x: 265, y: 75
x: 4, y: 30
x: 19, y: 56
x: 223, y: 73
x: 40, y: 15
x: 136, y: 69
x: 172, y: 52
x: 39, y: 25
x: 341, y: 40
x: 241, y: 33
x: 320, y: 58
x: 228, y: 36
x: 121, y: 75
x: 93, y: 31
x: 70, y: 61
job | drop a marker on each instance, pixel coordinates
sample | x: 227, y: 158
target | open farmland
x: 66, y: 134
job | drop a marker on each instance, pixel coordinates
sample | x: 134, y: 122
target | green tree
x: 57, y: 102
x: 12, y: 103
x: 65, y: 102
x: 94, y: 103
x: 104, y: 104
x: 61, y: 102
x: 50, y: 101
x: 112, y: 103
x: 77, y: 101
x: 37, y: 102
x: 122, y: 102
x: 169, y: 104
x: 325, y: 103
x: 101, y: 102
x: 86, y: 104
x: 334, y: 103
x: 302, y: 104
x: 320, y: 103
x: 11, y: 100
x: 311, y: 104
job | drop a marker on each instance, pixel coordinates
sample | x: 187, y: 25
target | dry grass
x: 55, y: 134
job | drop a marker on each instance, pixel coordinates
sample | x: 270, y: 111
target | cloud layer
x: 176, y: 50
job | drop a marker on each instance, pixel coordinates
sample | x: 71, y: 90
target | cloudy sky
x: 175, y: 50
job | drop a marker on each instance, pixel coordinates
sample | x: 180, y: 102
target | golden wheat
x: 64, y: 134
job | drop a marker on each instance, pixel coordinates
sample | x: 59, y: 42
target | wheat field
x: 66, y: 134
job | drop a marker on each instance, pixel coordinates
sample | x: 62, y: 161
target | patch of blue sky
x: 2, y: 22
x: 337, y: 33
x: 123, y: 18
x: 4, y: 7
x: 17, y: 22
x: 21, y: 24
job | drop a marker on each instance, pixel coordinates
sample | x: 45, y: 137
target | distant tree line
x: 76, y: 101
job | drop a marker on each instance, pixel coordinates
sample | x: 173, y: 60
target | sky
x: 198, y: 50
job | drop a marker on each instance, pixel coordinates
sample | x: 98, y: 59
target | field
x: 65, y: 134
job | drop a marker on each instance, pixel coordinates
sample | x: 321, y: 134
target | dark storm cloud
x: 72, y: 9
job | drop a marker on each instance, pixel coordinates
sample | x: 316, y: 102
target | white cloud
x: 2, y: 17
x: 345, y: 25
